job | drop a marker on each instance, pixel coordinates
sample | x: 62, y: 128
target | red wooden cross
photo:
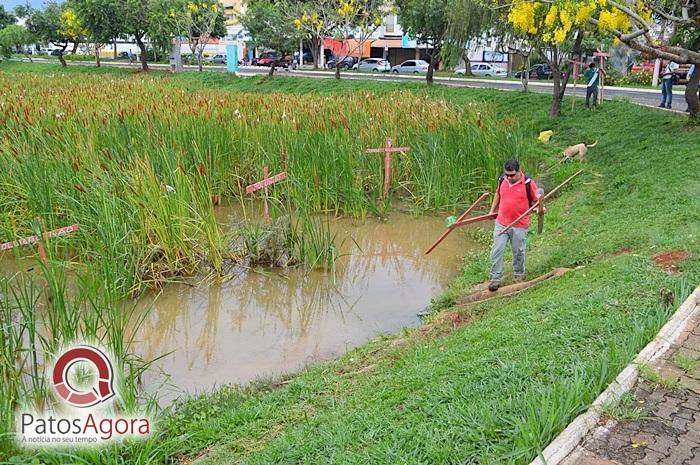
x: 387, y: 149
x: 38, y: 240
x: 603, y: 56
x: 576, y: 65
x: 264, y: 184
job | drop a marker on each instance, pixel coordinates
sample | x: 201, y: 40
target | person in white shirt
x: 667, y: 84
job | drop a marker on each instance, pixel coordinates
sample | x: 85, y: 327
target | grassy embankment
x: 498, y: 389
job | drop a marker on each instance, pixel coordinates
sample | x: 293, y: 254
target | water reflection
x: 268, y: 322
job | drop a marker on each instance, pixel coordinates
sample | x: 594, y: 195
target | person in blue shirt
x: 592, y: 77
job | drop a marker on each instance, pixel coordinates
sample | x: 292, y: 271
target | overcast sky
x: 11, y: 4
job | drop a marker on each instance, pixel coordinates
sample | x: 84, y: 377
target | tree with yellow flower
x: 554, y: 28
x: 352, y: 22
x: 47, y: 25
x: 641, y: 25
x: 200, y: 21
x: 72, y: 27
x: 356, y: 21
x: 269, y: 23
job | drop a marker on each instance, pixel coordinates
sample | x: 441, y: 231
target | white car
x: 483, y: 69
x: 373, y: 64
x: 411, y: 66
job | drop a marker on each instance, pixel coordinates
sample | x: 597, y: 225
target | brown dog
x: 574, y: 150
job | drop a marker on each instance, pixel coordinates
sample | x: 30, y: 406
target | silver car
x: 373, y: 64
x: 219, y: 59
x: 411, y: 66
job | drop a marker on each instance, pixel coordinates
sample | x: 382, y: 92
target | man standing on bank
x: 514, y: 195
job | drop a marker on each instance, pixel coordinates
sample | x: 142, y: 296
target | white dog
x: 574, y: 150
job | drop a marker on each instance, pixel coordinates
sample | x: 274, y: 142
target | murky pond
x: 269, y: 322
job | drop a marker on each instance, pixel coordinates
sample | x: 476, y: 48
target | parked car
x: 218, y: 59
x: 411, y: 66
x: 538, y: 71
x: 347, y: 63
x: 373, y: 64
x: 264, y: 60
x: 483, y: 69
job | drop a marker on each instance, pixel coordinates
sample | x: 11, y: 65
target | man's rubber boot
x: 494, y: 285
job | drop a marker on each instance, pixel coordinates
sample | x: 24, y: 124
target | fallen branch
x: 481, y: 296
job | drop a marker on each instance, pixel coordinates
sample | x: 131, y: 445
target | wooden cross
x: 264, y: 184
x: 603, y: 56
x: 387, y: 149
x: 39, y: 240
x: 576, y: 71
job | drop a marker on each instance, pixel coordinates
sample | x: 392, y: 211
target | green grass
x: 497, y: 390
x: 654, y: 377
x: 685, y: 362
x: 626, y: 409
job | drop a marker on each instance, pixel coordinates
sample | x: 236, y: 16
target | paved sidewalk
x: 668, y: 432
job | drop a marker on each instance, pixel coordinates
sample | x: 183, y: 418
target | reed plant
x: 140, y: 167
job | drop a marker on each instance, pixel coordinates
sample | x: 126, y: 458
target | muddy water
x: 266, y: 322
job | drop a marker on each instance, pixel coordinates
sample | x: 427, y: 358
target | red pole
x: 40, y: 244
x: 449, y: 230
x: 387, y: 166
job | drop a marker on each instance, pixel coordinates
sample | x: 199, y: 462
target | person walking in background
x: 514, y: 196
x: 131, y: 57
x: 592, y: 77
x: 667, y: 84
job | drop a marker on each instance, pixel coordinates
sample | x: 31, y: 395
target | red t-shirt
x: 513, y: 202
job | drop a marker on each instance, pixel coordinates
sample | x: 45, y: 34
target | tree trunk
x: 115, y: 48
x: 60, y: 56
x: 337, y: 70
x: 525, y: 75
x: 431, y: 66
x: 28, y: 56
x: 556, y: 102
x: 467, y: 65
x: 75, y: 47
x: 142, y: 47
x: 97, y: 56
x: 314, y: 53
x: 273, y: 65
x: 200, y: 53
x: 560, y: 82
x: 691, y: 92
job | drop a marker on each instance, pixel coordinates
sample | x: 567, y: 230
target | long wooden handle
x: 462, y: 216
x: 552, y: 192
x: 476, y: 219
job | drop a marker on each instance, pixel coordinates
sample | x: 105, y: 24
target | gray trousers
x: 517, y: 238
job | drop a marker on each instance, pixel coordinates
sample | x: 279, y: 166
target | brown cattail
x: 79, y: 187
x: 201, y: 169
x: 283, y: 157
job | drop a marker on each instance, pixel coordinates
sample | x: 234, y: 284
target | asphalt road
x: 647, y: 97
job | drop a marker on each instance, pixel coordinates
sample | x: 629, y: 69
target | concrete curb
x: 570, y: 438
